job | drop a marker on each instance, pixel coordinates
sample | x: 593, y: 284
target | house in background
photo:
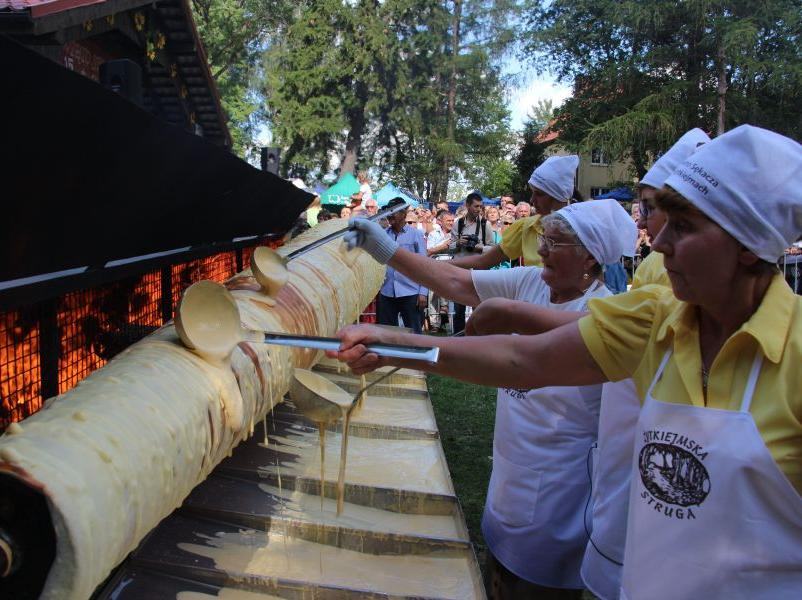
x: 597, y: 174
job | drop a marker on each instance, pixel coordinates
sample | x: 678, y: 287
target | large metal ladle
x: 325, y: 402
x: 269, y: 269
x: 208, y: 322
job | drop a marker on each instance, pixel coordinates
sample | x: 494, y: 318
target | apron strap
x: 659, y: 372
x: 752, y: 381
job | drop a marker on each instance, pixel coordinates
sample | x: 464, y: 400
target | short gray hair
x: 561, y: 224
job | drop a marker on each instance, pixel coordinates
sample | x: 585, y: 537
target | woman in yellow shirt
x: 715, y: 508
x: 552, y: 185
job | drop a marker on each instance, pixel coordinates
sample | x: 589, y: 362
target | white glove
x: 371, y: 238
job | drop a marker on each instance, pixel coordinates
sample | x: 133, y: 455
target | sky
x: 526, y: 95
x: 528, y: 88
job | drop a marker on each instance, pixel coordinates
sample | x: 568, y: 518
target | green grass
x: 465, y: 415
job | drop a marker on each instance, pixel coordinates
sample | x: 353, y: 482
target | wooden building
x: 158, y: 38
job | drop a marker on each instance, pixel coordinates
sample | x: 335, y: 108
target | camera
x: 470, y: 242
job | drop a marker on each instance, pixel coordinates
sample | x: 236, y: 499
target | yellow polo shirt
x: 522, y: 238
x: 651, y: 270
x: 628, y: 334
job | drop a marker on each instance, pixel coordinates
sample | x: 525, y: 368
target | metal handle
x: 424, y: 353
x: 337, y: 234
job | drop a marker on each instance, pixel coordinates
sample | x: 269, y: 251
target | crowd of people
x: 472, y: 230
x: 647, y: 444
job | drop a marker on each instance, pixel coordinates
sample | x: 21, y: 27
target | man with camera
x: 470, y: 235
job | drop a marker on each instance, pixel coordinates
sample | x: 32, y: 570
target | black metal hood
x: 88, y: 177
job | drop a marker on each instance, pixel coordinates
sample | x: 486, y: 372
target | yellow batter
x: 305, y: 507
x: 415, y: 465
x: 266, y: 555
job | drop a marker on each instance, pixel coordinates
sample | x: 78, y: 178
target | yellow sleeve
x: 651, y: 270
x: 512, y: 240
x: 618, y: 329
x: 522, y: 238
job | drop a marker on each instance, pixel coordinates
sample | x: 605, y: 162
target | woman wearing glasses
x: 533, y: 514
x: 714, y: 504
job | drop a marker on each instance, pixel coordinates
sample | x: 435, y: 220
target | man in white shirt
x: 439, y: 239
x: 437, y: 242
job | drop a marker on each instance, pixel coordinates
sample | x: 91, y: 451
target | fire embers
x: 673, y: 475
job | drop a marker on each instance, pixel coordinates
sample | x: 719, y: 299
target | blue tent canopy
x: 390, y: 191
x: 621, y: 194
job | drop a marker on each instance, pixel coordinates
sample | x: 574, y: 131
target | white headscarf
x: 674, y: 157
x: 603, y: 227
x: 556, y: 176
x: 749, y: 181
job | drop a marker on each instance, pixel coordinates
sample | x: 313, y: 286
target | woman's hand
x: 353, y: 351
x: 370, y: 236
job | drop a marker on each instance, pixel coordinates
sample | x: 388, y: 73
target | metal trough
x: 255, y: 528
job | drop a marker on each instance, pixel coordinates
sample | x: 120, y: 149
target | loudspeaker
x: 124, y: 77
x: 270, y: 159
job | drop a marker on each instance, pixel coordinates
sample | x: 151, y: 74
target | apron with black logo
x: 710, y: 512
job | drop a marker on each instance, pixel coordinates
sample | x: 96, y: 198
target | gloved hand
x: 370, y: 236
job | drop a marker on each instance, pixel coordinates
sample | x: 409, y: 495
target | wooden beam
x: 78, y: 16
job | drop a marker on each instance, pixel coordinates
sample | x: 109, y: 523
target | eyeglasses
x: 645, y: 209
x: 550, y: 244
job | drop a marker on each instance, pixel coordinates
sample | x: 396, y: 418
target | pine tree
x: 646, y: 71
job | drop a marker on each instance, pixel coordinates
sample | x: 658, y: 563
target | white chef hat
x: 749, y: 181
x: 556, y: 176
x: 603, y: 227
x: 674, y: 157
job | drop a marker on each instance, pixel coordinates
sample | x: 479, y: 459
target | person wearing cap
x: 715, y: 505
x: 650, y: 217
x: 552, y: 185
x: 620, y: 405
x: 533, y: 518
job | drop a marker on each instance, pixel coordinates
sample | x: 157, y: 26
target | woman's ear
x: 746, y: 257
x: 589, y: 264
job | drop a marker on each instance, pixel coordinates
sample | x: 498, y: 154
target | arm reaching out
x: 439, y: 276
x: 515, y: 361
x: 500, y: 315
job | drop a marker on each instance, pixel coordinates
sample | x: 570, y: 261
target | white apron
x: 612, y: 466
x: 533, y: 518
x: 710, y: 512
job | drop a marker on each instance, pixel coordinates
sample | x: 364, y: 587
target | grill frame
x: 56, y: 331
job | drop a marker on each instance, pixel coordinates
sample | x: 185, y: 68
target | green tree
x: 233, y: 33
x: 371, y: 84
x: 532, y: 147
x: 646, y: 71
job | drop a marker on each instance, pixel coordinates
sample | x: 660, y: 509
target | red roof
x: 40, y: 8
